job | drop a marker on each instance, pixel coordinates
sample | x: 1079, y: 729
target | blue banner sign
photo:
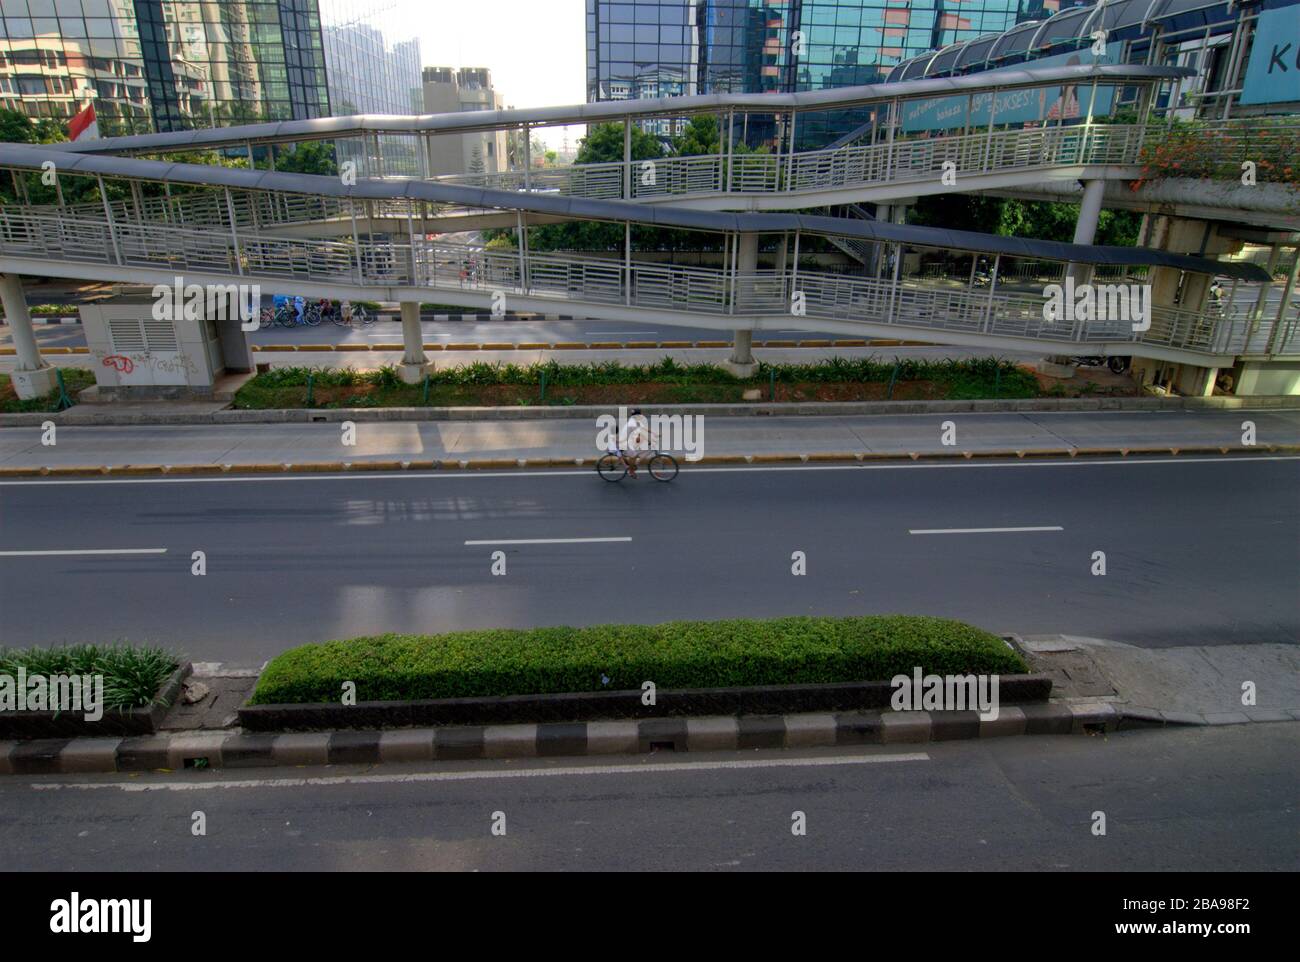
x: 1273, y: 73
x: 1048, y: 104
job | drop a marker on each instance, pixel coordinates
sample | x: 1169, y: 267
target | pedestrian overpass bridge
x: 134, y: 241
x: 970, y: 133
x: 152, y: 219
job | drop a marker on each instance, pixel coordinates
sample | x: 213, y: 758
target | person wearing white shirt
x: 634, y: 439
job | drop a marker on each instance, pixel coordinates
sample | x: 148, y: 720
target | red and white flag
x: 84, y: 124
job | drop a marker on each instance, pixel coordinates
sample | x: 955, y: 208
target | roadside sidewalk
x: 325, y: 353
x: 398, y: 445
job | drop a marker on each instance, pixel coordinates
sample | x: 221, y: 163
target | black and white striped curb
x: 220, y: 749
x: 213, y: 749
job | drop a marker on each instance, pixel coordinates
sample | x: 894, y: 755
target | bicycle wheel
x: 267, y: 320
x: 611, y: 467
x: 663, y: 467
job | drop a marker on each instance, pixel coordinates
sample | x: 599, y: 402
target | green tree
x: 1011, y: 217
x: 604, y: 145
x: 314, y: 157
x: 699, y: 137
x: 16, y: 128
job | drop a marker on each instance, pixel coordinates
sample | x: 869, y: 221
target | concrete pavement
x: 388, y: 328
x: 370, y: 359
x: 1224, y: 683
x: 569, y: 438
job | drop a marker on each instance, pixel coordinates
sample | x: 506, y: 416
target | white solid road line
x: 80, y: 551
x: 294, y: 478
x: 982, y: 530
x: 547, y: 541
x: 469, y: 776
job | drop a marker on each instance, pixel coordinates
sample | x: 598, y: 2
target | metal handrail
x: 54, y: 234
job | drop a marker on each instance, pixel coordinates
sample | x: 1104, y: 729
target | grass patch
x: 132, y: 676
x: 74, y: 379
x: 681, y: 654
x: 666, y: 382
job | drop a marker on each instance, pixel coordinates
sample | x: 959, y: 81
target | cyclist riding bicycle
x: 634, y: 439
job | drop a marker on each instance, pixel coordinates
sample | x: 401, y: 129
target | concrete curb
x: 244, y: 749
x: 106, y: 417
x: 241, y: 749
x: 497, y: 464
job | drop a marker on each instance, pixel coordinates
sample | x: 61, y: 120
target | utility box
x: 137, y: 355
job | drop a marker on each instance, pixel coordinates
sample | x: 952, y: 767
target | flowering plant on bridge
x: 1204, y: 150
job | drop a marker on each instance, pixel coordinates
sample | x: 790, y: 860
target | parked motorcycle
x: 1116, y: 362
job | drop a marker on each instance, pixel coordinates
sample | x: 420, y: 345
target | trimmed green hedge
x: 680, y: 654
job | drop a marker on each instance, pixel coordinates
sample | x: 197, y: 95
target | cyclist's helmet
x: 634, y: 411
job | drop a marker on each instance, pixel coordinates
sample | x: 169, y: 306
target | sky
x: 536, y: 49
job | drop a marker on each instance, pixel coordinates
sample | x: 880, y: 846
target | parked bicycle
x: 612, y: 467
x: 349, y: 316
x: 282, y: 315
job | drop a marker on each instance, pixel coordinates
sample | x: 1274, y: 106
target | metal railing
x: 906, y: 158
x: 53, y: 234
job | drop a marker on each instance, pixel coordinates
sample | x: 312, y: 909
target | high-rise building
x: 447, y: 91
x: 163, y: 65
x: 368, y: 70
x: 756, y: 46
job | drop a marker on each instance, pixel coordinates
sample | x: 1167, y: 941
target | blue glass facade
x: 167, y: 65
x: 753, y: 46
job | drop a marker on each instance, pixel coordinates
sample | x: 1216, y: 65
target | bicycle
x: 356, y: 315
x: 612, y: 467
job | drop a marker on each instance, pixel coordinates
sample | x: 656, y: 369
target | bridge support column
x: 1085, y: 228
x: 32, y: 377
x: 742, y: 363
x: 413, y: 359
x: 746, y: 268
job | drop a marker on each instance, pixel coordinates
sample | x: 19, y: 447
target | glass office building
x: 755, y: 46
x: 367, y: 69
x: 161, y: 65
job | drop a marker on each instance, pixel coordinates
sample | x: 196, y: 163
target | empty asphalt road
x: 1197, y: 551
x: 1209, y: 799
